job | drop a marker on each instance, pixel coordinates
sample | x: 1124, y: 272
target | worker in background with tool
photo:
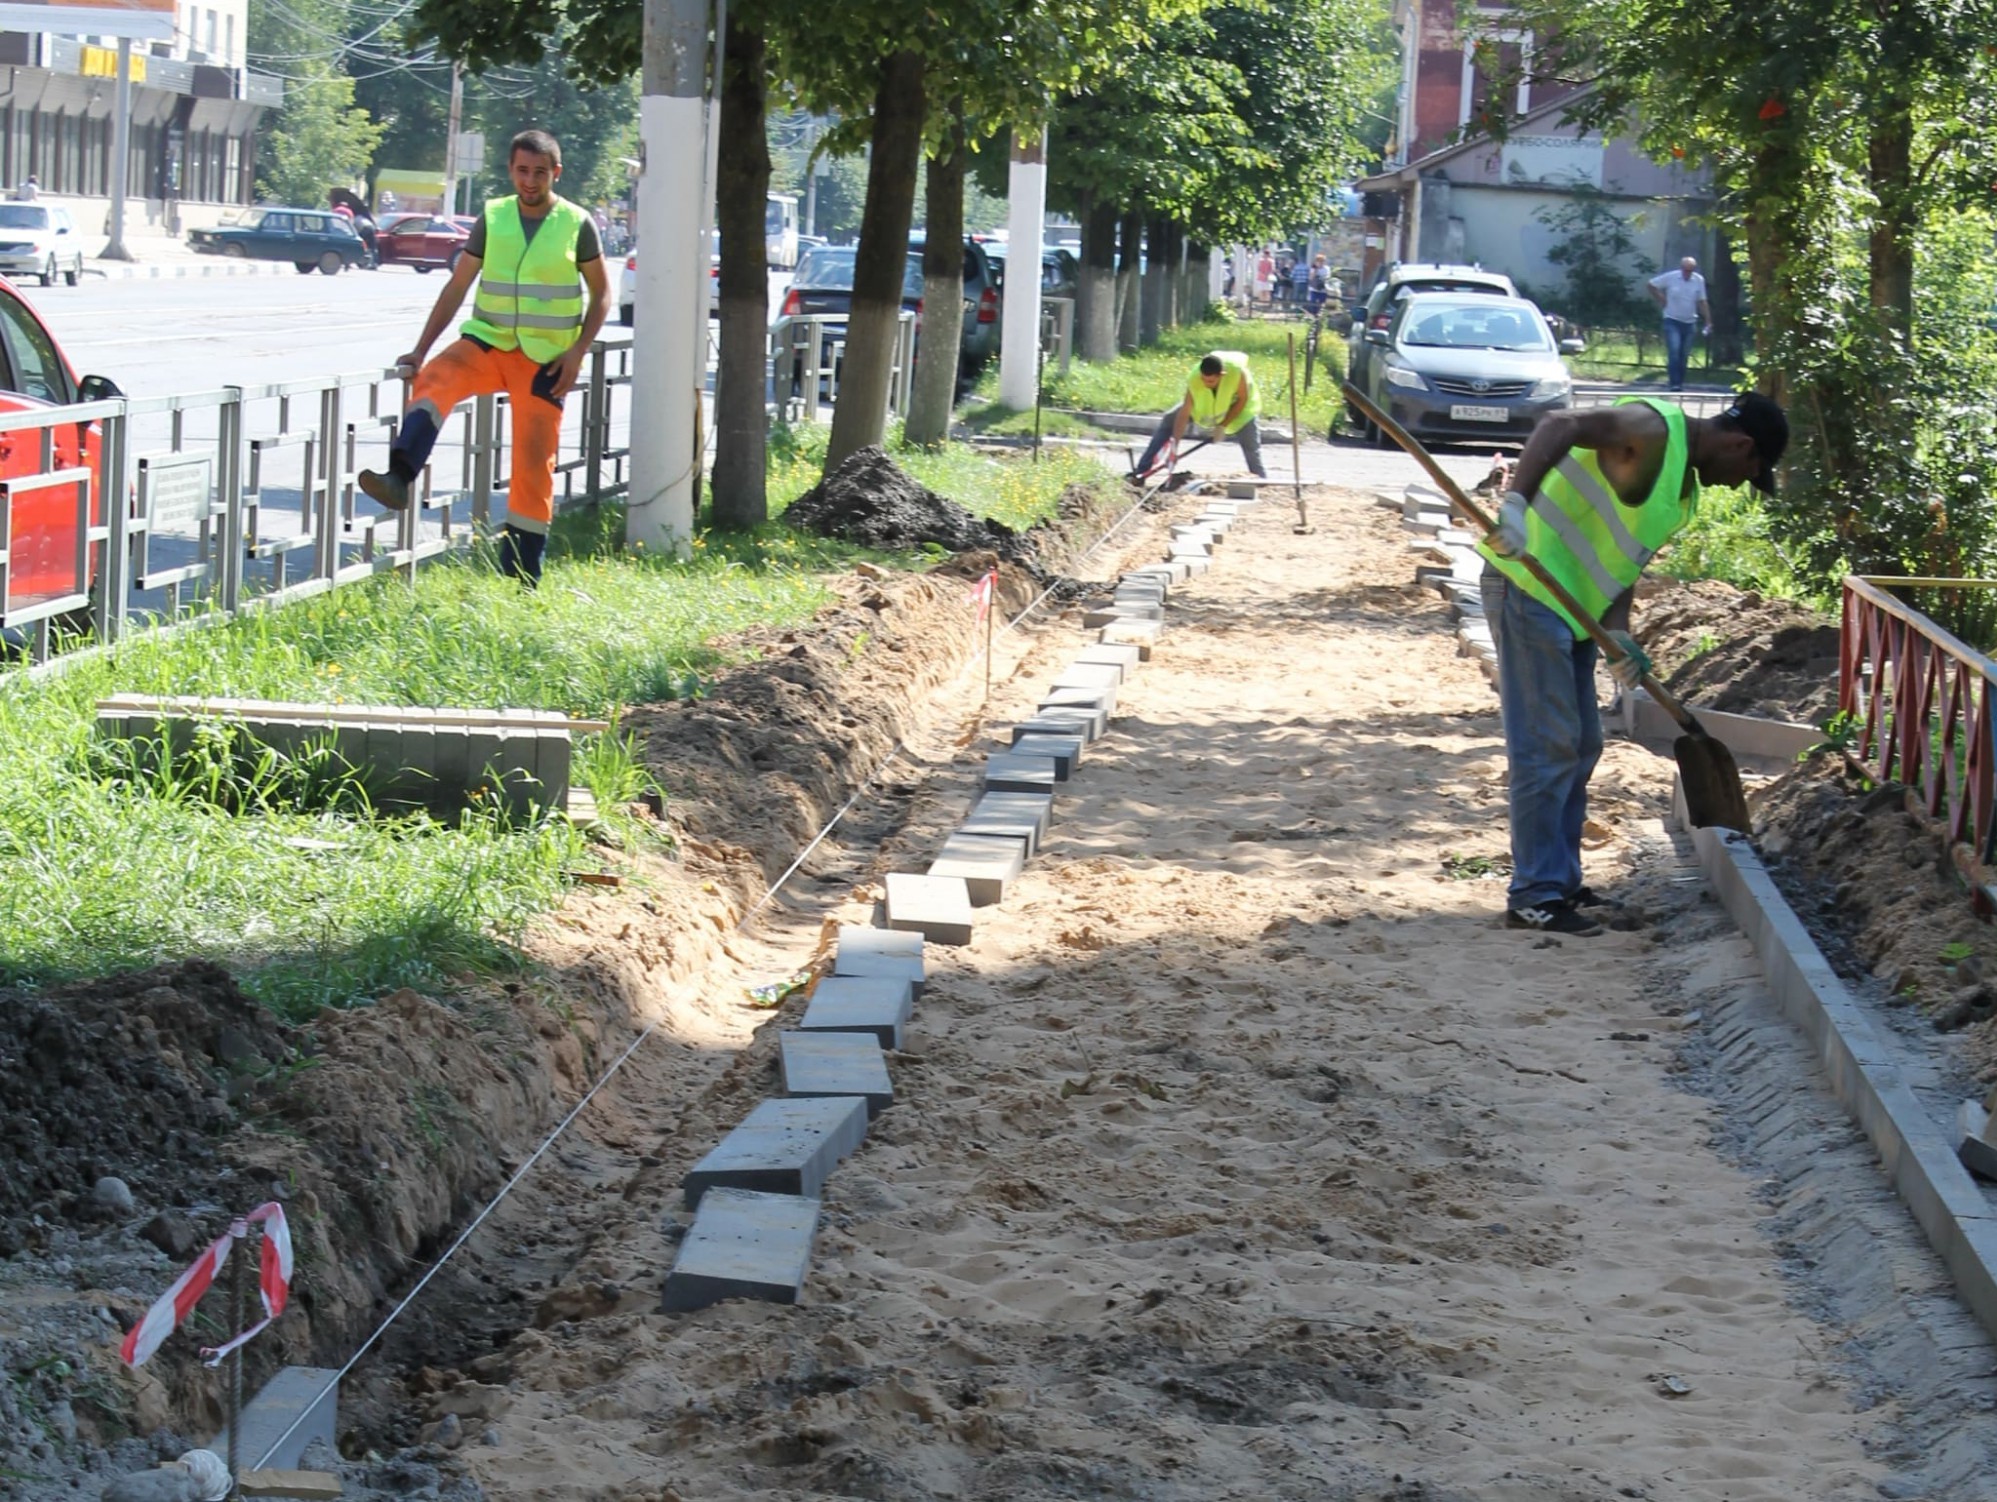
x: 1594, y: 495
x: 535, y: 255
x: 1221, y: 398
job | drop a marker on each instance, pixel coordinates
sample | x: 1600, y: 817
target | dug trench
x: 145, y: 1110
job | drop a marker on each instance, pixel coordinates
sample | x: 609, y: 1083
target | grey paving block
x: 1097, y: 701
x: 908, y: 967
x: 985, y: 863
x: 1123, y: 658
x: 1142, y: 635
x: 829, y: 1064
x: 1196, y: 564
x: 1241, y: 490
x: 1021, y: 816
x: 781, y: 1147
x: 743, y: 1245
x: 1193, y: 539
x: 1216, y: 522
x: 1102, y: 615
x: 1154, y: 573
x: 857, y: 938
x: 879, y: 1005
x: 1078, y: 723
x: 1009, y: 772
x: 1141, y: 591
x: 937, y: 907
x: 1089, y: 706
x: 309, y: 1390
x: 1079, y: 674
x: 1065, y: 751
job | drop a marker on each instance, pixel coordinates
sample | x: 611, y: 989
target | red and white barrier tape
x: 173, y: 1306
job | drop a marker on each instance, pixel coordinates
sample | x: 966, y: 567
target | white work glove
x: 1508, y: 539
x: 1628, y: 670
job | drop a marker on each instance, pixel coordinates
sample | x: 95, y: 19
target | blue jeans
x: 1553, y: 738
x: 1678, y: 334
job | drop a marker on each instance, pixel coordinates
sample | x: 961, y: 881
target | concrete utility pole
x: 450, y: 204
x: 671, y: 329
x: 810, y: 179
x: 121, y: 154
x: 1019, y: 330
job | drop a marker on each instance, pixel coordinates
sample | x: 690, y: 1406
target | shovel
x: 1706, y: 768
x: 1172, y: 457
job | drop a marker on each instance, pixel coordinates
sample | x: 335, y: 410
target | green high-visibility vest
x: 529, y: 291
x: 1210, y: 405
x: 1588, y: 538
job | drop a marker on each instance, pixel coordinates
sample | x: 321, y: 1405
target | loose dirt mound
x: 868, y: 500
x: 132, y: 1078
x: 1738, y: 651
x: 1882, y: 897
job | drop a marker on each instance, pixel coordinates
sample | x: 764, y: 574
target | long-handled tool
x: 1303, y: 523
x: 1172, y: 457
x: 1706, y: 768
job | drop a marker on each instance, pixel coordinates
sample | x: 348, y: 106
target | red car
x: 41, y: 557
x: 422, y: 241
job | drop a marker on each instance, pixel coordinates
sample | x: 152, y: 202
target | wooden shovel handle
x: 1469, y: 508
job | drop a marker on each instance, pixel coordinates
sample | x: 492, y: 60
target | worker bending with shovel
x: 542, y: 297
x: 1593, y: 497
x: 1221, y: 399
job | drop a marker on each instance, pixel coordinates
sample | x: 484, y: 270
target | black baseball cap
x: 1763, y: 421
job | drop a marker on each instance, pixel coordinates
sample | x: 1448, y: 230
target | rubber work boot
x: 389, y: 490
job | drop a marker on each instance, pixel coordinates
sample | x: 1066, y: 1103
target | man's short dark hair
x: 1210, y: 365
x: 537, y: 141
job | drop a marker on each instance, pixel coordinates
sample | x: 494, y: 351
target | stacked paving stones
x: 435, y: 759
x: 1454, y: 575
x: 755, y: 1195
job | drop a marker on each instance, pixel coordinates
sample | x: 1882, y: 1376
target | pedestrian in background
x: 1320, y: 282
x: 1682, y: 296
x: 535, y: 256
x: 1265, y: 275
x: 30, y: 189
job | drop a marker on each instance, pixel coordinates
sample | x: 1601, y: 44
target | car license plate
x: 1464, y: 413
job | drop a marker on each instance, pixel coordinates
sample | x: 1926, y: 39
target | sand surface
x: 1244, y: 1155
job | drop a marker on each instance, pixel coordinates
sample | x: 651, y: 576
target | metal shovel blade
x: 1714, y: 797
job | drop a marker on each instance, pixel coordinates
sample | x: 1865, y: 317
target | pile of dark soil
x: 1882, y: 897
x: 1737, y: 651
x: 131, y: 1078
x: 868, y: 500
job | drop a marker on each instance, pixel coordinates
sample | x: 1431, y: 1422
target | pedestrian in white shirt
x: 1682, y: 296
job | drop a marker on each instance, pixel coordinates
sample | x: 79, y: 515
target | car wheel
x: 75, y: 273
x: 234, y: 252
x: 48, y: 273
x: 422, y: 270
x: 628, y: 314
x: 330, y: 263
x: 305, y: 268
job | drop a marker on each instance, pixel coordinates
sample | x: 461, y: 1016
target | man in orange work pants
x: 534, y: 256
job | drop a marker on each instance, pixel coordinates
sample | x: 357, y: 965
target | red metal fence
x: 1920, y: 701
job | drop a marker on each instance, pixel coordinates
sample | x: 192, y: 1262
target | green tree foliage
x: 1596, y: 247
x: 320, y: 139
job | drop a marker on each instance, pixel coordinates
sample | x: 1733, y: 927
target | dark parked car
x: 421, y: 241
x: 824, y: 284
x: 1059, y: 270
x: 307, y: 238
x: 1404, y: 280
x: 1466, y: 367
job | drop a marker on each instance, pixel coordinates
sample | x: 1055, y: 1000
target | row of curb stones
x: 1426, y: 514
x: 755, y: 1194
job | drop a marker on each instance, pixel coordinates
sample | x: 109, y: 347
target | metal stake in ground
x: 1303, y: 525
x: 238, y: 1319
x: 1039, y: 378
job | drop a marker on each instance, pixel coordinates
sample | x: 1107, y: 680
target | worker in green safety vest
x: 541, y: 300
x: 1593, y: 497
x: 1221, y: 399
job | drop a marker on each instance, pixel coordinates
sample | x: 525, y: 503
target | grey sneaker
x: 387, y: 489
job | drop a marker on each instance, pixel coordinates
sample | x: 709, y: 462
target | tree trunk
x: 1724, y: 289
x: 1157, y: 277
x: 942, y: 294
x: 1096, y: 285
x: 1896, y: 215
x: 1175, y: 254
x: 861, y: 416
x: 1130, y: 254
x: 741, y: 189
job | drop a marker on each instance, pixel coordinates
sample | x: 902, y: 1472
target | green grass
x: 1616, y: 355
x: 1729, y: 540
x: 285, y: 872
x: 1154, y: 379
x: 998, y: 421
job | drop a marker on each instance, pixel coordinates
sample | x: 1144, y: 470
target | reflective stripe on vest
x: 530, y: 294
x: 1210, y: 406
x: 1588, y: 538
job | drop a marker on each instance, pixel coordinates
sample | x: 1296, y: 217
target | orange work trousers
x: 466, y: 369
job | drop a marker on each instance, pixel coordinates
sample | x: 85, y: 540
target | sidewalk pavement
x: 164, y: 256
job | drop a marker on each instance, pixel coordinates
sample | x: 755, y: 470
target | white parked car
x: 38, y: 239
x: 627, y: 284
